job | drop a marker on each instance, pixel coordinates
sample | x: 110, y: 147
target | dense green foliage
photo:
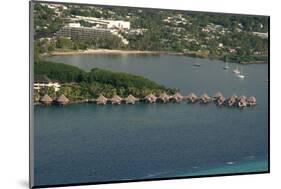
x: 61, y: 72
x: 124, y: 80
x: 78, y: 84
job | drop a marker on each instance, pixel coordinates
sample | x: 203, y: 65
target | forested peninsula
x: 78, y: 84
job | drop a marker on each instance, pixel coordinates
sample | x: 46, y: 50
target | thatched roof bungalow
x: 251, y: 101
x: 205, y: 98
x: 130, y: 99
x: 116, y: 99
x: 192, y: 98
x: 46, y: 99
x: 242, y: 101
x: 177, y: 97
x: 232, y: 100
x: 62, y: 100
x: 220, y: 100
x: 217, y: 95
x: 164, y: 98
x: 150, y: 98
x: 101, y: 100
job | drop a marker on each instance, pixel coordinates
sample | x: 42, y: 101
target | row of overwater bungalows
x: 217, y: 98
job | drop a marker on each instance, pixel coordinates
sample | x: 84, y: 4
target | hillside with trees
x: 195, y: 33
x: 78, y: 84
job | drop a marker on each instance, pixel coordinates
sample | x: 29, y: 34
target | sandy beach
x: 109, y: 51
x: 127, y: 52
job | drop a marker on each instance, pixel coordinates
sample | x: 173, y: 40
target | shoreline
x: 109, y: 52
x: 133, y: 52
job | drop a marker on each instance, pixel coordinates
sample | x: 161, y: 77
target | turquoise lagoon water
x: 88, y: 143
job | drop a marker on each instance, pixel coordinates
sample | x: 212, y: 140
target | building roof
x: 150, y: 96
x: 242, y: 97
x: 205, y: 96
x: 62, y: 98
x: 177, y: 95
x: 116, y: 98
x: 217, y: 95
x: 41, y: 79
x: 234, y: 96
x: 192, y: 95
x: 130, y: 98
x: 101, y: 98
x: 46, y: 98
x: 164, y: 95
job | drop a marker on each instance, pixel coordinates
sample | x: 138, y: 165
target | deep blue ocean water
x: 89, y: 143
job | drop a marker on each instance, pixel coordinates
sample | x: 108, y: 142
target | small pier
x: 218, y: 99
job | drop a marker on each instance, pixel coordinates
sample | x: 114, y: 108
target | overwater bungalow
x: 241, y: 101
x: 101, y: 100
x: 177, y: 97
x: 251, y: 101
x: 217, y: 95
x: 46, y: 100
x: 220, y: 100
x: 205, y: 99
x: 164, y: 98
x: 130, y: 99
x: 232, y: 100
x: 116, y: 99
x: 62, y: 100
x: 192, y: 98
x: 150, y: 98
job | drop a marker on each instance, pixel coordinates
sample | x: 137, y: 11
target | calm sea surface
x: 88, y: 143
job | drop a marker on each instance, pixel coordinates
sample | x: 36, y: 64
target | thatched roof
x: 251, y: 99
x: 101, y: 98
x: 217, y: 95
x: 164, y: 95
x: 178, y: 96
x: 46, y: 98
x: 116, y: 98
x: 130, y: 98
x: 205, y: 96
x: 62, y: 99
x: 242, y: 102
x: 242, y: 97
x: 221, y: 98
x: 150, y: 96
x: 192, y: 95
x: 234, y: 96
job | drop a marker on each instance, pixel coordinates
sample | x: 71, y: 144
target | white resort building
x: 42, y: 81
x: 103, y: 23
x: 76, y: 31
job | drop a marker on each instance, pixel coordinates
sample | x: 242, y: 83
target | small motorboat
x: 197, y: 64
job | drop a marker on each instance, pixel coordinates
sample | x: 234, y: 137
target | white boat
x: 236, y: 71
x: 241, y: 74
x: 226, y: 66
x: 197, y: 64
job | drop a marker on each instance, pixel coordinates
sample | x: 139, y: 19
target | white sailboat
x: 226, y: 66
x: 236, y: 71
x: 241, y: 74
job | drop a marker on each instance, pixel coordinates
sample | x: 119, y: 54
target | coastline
x: 108, y: 52
x: 133, y: 52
